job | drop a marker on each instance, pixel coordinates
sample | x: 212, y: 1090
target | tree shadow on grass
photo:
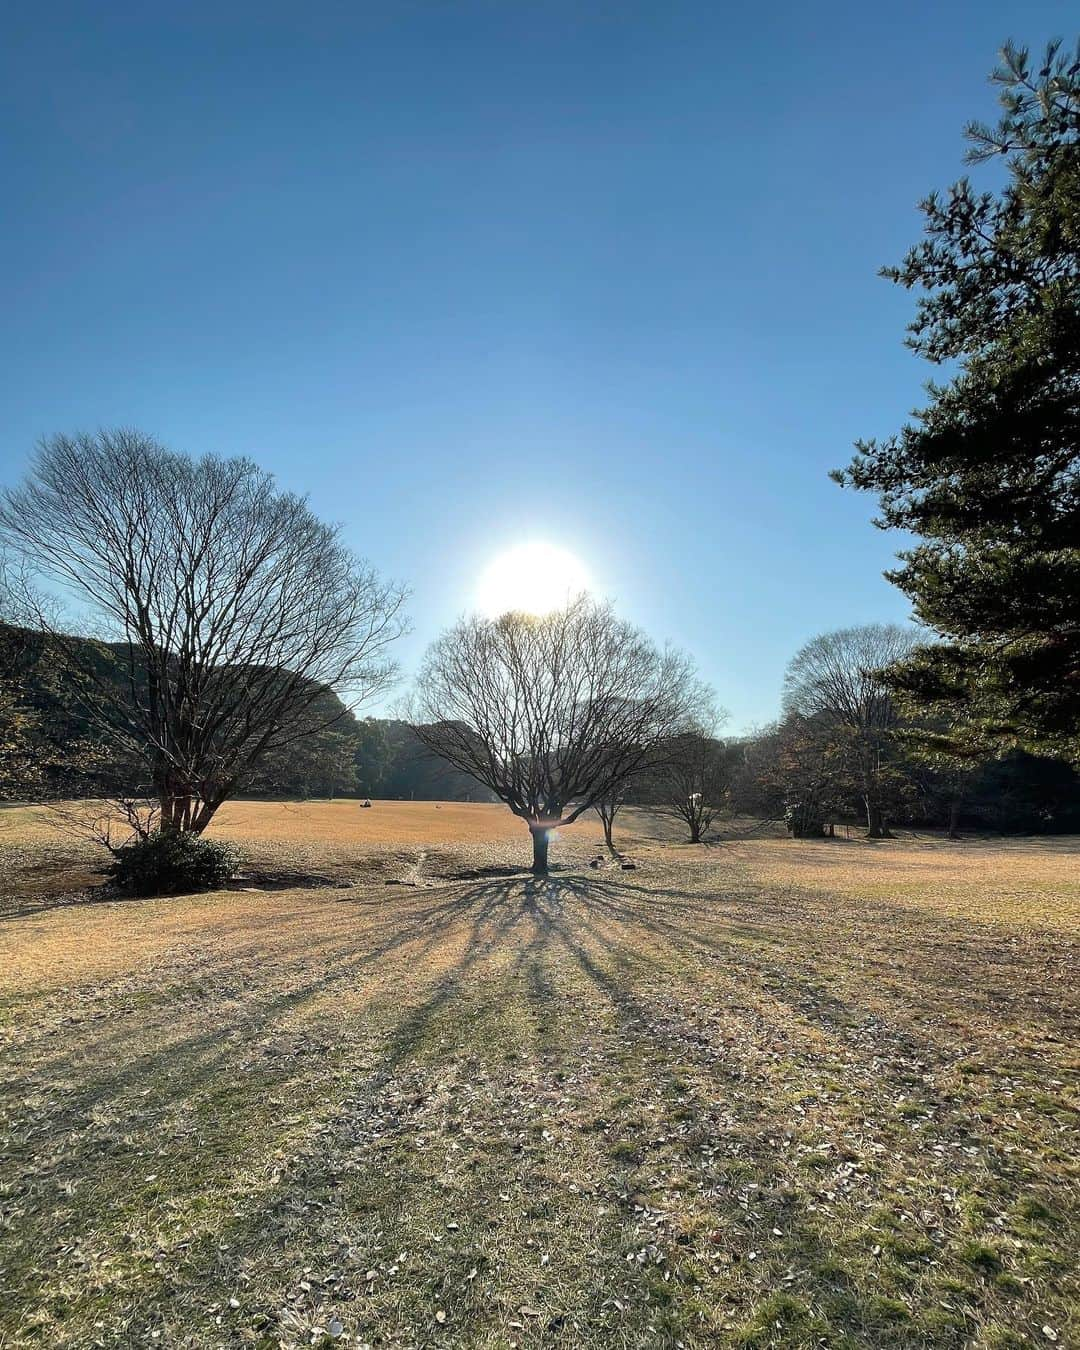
x: 451, y: 966
x: 642, y: 927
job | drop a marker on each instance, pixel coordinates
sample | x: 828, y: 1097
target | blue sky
x: 470, y: 273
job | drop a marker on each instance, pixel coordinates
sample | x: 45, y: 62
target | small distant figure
x: 366, y: 802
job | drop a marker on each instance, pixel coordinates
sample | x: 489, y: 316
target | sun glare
x: 536, y: 577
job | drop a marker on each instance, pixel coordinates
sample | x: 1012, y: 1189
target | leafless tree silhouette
x: 694, y: 781
x: 552, y: 713
x: 607, y: 808
x: 230, y: 608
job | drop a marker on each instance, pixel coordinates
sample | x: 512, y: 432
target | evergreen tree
x: 988, y: 474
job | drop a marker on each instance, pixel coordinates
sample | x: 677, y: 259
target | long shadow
x: 815, y: 1247
x: 192, y: 1074
x: 194, y: 1062
x: 965, y: 942
x: 425, y: 927
x: 596, y: 923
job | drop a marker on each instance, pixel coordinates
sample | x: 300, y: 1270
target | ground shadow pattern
x: 609, y: 1109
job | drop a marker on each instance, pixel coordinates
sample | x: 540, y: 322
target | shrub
x: 804, y: 820
x: 168, y: 863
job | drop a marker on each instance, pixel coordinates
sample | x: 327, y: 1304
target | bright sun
x: 536, y: 577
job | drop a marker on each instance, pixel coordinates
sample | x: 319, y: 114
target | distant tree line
x: 849, y: 751
x: 51, y: 748
x: 368, y: 757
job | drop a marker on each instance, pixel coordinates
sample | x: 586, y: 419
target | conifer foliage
x: 987, y: 475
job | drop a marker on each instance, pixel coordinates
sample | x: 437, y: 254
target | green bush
x: 168, y: 863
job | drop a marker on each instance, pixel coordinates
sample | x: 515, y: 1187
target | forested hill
x: 50, y: 745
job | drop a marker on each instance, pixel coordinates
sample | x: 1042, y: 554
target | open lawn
x: 394, y: 1092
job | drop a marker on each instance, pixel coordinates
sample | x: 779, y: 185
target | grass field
x: 392, y: 1091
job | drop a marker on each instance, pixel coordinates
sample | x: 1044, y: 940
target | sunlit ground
x: 766, y: 1093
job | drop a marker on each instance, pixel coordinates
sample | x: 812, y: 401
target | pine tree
x: 988, y: 473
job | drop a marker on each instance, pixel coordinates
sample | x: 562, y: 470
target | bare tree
x: 112, y: 822
x: 607, y: 808
x: 552, y: 713
x: 229, y: 608
x: 837, y: 679
x: 695, y: 781
x: 642, y: 782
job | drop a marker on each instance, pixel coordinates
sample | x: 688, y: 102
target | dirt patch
x: 286, y: 881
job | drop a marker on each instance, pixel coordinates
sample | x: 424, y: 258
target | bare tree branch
x: 229, y: 606
x: 555, y: 713
x: 695, y: 781
x: 837, y: 681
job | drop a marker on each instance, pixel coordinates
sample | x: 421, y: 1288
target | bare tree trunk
x: 607, y: 811
x: 205, y: 814
x: 540, y: 850
x: 954, y: 820
x: 185, y: 812
x: 875, y: 822
x: 171, y: 806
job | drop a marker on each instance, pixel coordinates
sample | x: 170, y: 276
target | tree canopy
x: 553, y: 713
x: 836, y: 681
x: 988, y: 473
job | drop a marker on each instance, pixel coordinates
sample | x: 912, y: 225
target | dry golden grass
x: 764, y: 1093
x: 339, y: 824
x: 1022, y: 881
x: 348, y: 824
